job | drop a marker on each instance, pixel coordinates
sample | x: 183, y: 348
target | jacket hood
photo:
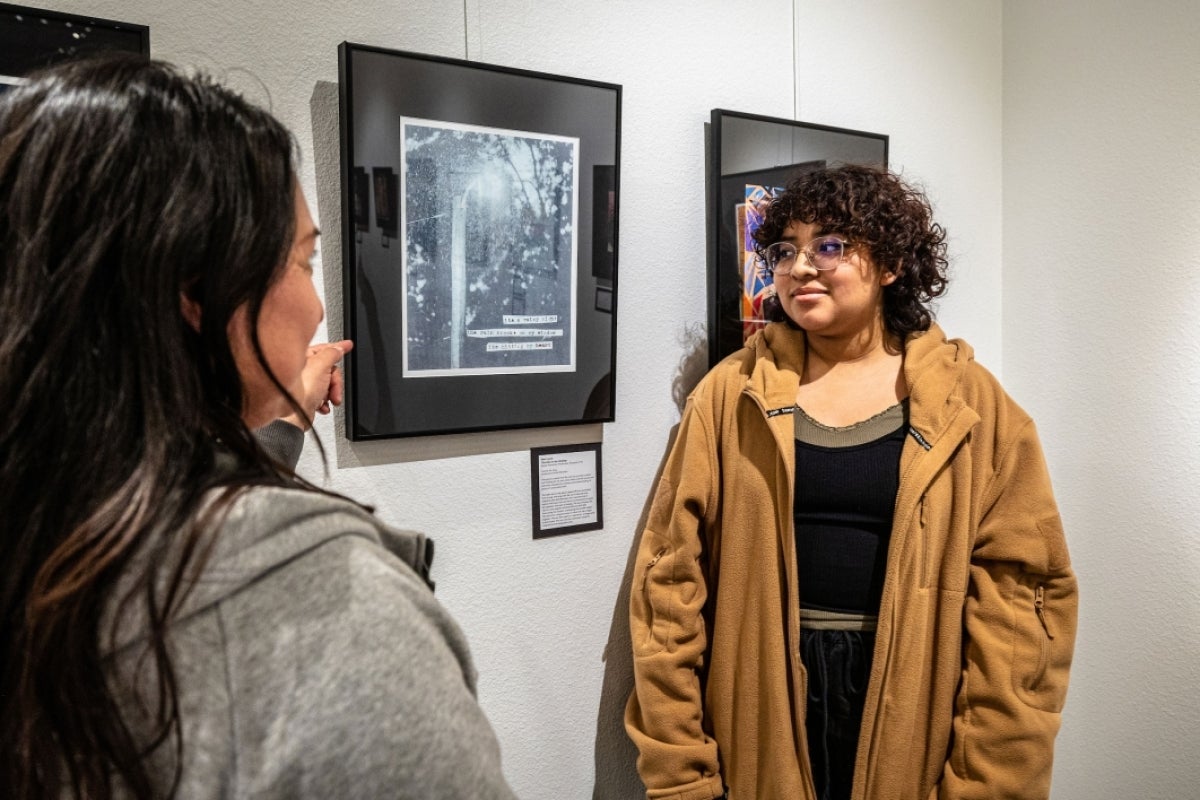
x: 933, y: 371
x: 778, y: 352
x: 934, y: 367
x: 263, y: 529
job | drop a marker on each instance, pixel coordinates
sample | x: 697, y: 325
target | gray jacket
x: 313, y: 661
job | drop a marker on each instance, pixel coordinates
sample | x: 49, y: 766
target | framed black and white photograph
x: 494, y: 327
x: 752, y: 158
x: 500, y: 187
x: 32, y: 38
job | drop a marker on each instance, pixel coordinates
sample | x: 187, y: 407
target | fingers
x: 337, y: 389
x: 325, y: 383
x: 324, y: 357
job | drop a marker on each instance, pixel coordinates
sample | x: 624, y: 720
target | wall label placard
x: 566, y: 489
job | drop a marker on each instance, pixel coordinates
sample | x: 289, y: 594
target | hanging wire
x: 795, y: 74
x: 467, y: 38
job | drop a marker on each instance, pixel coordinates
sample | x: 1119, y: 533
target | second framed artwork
x: 753, y: 158
x: 33, y: 38
x: 501, y: 190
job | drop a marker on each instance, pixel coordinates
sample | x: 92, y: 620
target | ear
x: 888, y: 277
x: 190, y: 310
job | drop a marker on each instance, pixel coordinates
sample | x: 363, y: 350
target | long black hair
x: 125, y: 186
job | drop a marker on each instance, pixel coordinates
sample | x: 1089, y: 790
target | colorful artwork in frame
x: 756, y: 285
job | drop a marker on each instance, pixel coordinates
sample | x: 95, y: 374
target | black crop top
x: 845, y: 494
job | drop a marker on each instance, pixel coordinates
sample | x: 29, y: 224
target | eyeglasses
x: 823, y: 252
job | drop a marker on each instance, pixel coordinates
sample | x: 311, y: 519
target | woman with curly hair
x: 853, y: 581
x: 181, y: 615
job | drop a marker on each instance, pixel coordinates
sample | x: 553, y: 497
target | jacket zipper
x: 794, y: 604
x: 1039, y: 604
x: 650, y: 566
x: 950, y: 435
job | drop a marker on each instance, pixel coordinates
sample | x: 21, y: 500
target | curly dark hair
x: 873, y: 208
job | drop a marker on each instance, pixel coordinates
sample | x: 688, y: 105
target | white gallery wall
x: 1024, y: 151
x: 1101, y: 321
x: 928, y: 74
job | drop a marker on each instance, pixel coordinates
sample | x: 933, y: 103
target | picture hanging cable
x: 467, y: 34
x: 795, y: 75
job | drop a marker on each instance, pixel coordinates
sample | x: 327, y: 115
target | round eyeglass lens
x: 779, y: 256
x: 825, y: 252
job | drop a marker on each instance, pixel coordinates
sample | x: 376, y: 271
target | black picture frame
x: 481, y: 315
x: 574, y: 493
x: 33, y: 38
x: 750, y: 156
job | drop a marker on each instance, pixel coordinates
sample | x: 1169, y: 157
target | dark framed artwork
x: 31, y: 38
x: 753, y: 157
x: 604, y: 299
x: 361, y: 200
x: 386, y: 185
x: 501, y: 188
x: 604, y: 222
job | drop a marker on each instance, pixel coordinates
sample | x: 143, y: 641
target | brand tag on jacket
x: 921, y: 440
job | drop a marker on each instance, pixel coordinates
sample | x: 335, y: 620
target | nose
x: 802, y: 261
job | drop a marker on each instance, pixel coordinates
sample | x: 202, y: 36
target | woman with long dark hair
x: 853, y: 583
x: 180, y: 613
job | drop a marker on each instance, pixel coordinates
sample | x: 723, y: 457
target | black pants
x: 839, y: 665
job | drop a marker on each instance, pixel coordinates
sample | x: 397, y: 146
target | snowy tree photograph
x: 489, y: 258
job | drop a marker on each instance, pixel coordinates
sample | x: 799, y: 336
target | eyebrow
x: 795, y: 238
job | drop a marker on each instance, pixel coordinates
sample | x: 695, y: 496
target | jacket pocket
x: 651, y: 600
x: 1037, y: 679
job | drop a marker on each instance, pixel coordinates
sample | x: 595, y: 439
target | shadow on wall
x: 693, y: 365
x: 616, y: 757
x: 323, y: 110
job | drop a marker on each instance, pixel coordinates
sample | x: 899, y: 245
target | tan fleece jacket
x: 977, y: 622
